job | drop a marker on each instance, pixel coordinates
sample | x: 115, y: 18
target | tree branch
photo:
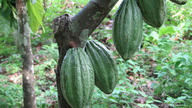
x: 91, y: 15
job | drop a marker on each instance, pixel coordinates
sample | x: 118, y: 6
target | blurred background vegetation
x: 158, y: 76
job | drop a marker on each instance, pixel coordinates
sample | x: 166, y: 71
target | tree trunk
x: 45, y: 4
x: 27, y: 56
x: 73, y: 31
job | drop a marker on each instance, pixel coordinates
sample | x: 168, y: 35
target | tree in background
x: 24, y: 32
x: 28, y: 21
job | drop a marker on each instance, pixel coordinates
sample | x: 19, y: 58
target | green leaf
x: 36, y: 13
x: 167, y: 30
x: 4, y: 26
x: 155, y: 36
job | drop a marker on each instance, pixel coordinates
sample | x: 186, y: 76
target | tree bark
x: 45, y: 4
x: 27, y: 56
x: 73, y: 31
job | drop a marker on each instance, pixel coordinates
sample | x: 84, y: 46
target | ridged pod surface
x: 105, y: 69
x: 179, y: 2
x: 77, y: 78
x: 128, y: 29
x: 153, y: 11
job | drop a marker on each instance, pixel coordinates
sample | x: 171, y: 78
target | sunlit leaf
x: 36, y: 13
x: 167, y: 30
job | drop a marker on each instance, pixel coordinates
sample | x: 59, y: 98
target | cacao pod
x: 77, y: 78
x: 105, y: 69
x: 153, y: 11
x: 179, y: 2
x: 128, y: 29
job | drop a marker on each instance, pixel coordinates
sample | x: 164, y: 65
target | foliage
x: 36, y: 13
x: 7, y: 45
x: 6, y: 40
x: 7, y: 11
x: 10, y: 94
x: 4, y: 27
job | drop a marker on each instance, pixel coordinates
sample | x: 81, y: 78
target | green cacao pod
x: 128, y: 29
x: 179, y: 2
x: 105, y: 69
x: 153, y: 11
x: 77, y: 78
